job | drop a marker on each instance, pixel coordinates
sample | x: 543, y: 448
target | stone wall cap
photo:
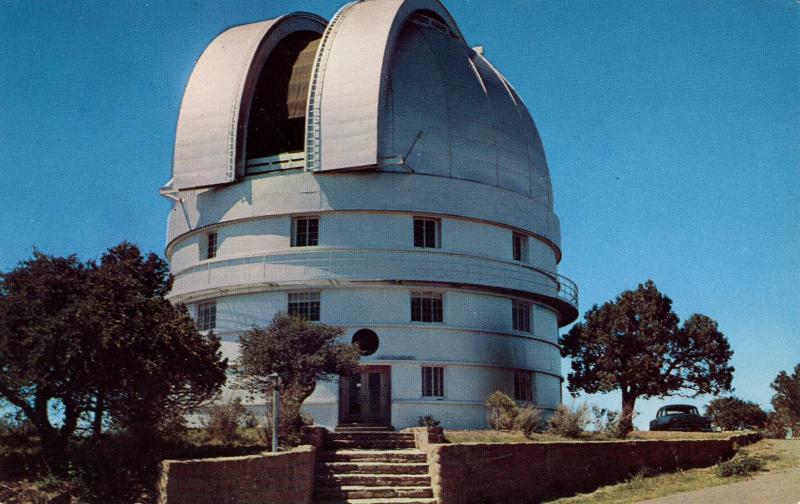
x: 255, y: 456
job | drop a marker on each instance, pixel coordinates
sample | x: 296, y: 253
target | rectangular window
x: 426, y: 307
x: 211, y: 245
x: 304, y: 304
x: 520, y: 247
x: 523, y: 385
x: 521, y: 316
x: 207, y: 316
x: 305, y: 231
x: 432, y: 381
x: 426, y: 233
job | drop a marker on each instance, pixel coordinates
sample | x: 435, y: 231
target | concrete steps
x: 372, y: 492
x: 372, y: 466
x: 364, y: 428
x: 395, y: 500
x: 386, y: 456
x: 373, y: 435
x: 369, y: 444
x: 374, y: 480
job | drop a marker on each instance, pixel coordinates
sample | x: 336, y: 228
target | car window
x: 678, y: 410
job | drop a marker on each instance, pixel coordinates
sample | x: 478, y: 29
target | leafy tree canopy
x: 635, y: 344
x: 100, y: 341
x: 732, y: 413
x: 786, y: 401
x: 301, y: 352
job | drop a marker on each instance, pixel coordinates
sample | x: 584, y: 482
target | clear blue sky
x: 672, y: 131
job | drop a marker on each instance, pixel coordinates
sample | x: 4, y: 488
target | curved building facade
x: 376, y: 173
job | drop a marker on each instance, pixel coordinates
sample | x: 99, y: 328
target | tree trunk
x: 99, y: 409
x: 626, y: 418
x: 40, y: 417
x: 71, y: 416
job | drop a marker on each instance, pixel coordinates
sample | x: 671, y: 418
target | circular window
x: 366, y: 340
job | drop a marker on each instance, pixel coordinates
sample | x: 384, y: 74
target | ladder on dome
x: 317, y: 78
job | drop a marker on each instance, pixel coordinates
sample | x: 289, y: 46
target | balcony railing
x: 312, y: 265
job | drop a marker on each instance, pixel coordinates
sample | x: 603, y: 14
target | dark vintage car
x: 680, y: 417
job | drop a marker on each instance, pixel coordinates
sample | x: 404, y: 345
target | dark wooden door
x: 365, y: 397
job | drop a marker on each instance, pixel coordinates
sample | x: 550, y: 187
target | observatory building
x: 376, y: 173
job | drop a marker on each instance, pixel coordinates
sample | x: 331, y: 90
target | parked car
x: 680, y: 417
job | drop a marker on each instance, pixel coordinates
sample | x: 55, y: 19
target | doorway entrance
x: 366, y: 397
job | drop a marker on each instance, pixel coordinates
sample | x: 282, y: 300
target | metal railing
x: 311, y: 265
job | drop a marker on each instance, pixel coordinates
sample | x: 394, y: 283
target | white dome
x: 394, y: 87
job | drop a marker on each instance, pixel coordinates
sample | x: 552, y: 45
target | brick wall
x: 267, y: 478
x: 531, y: 472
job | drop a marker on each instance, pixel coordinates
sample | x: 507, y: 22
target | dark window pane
x: 305, y: 305
x: 430, y: 234
x: 521, y: 316
x: 419, y: 233
x: 211, y: 248
x: 436, y: 310
x: 426, y: 233
x: 426, y: 307
x: 207, y: 316
x: 313, y: 232
x: 306, y: 232
x: 302, y: 231
x: 432, y: 381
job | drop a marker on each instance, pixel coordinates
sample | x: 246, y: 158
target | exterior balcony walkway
x: 321, y: 266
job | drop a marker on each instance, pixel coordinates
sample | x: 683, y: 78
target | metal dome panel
x: 346, y: 91
x: 417, y: 99
x: 210, y: 136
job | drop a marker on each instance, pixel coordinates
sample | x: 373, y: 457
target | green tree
x: 786, y: 401
x: 101, y: 343
x: 150, y: 363
x: 501, y: 411
x: 301, y: 352
x: 635, y: 344
x: 39, y: 361
x: 732, y: 413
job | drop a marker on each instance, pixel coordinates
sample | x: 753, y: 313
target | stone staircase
x: 369, y: 465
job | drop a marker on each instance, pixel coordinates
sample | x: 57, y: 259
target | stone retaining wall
x: 267, y: 478
x: 531, y: 472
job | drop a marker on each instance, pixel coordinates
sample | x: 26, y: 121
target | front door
x: 365, y: 397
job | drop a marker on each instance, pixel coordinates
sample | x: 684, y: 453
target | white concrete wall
x: 475, y: 344
x: 356, y: 230
x: 297, y: 192
x: 366, y: 248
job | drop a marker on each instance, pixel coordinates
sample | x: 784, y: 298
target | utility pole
x: 276, y: 408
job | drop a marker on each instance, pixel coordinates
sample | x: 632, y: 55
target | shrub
x: 732, y: 413
x: 607, y: 422
x: 501, y: 411
x: 291, y: 423
x: 118, y: 467
x: 568, y: 423
x: 224, y: 420
x: 774, y: 427
x: 250, y: 420
x: 741, y: 465
x: 529, y: 421
x: 428, y: 421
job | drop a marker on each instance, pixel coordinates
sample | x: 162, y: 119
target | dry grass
x: 778, y: 454
x: 489, y: 436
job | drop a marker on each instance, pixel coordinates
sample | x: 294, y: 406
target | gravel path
x: 780, y: 487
